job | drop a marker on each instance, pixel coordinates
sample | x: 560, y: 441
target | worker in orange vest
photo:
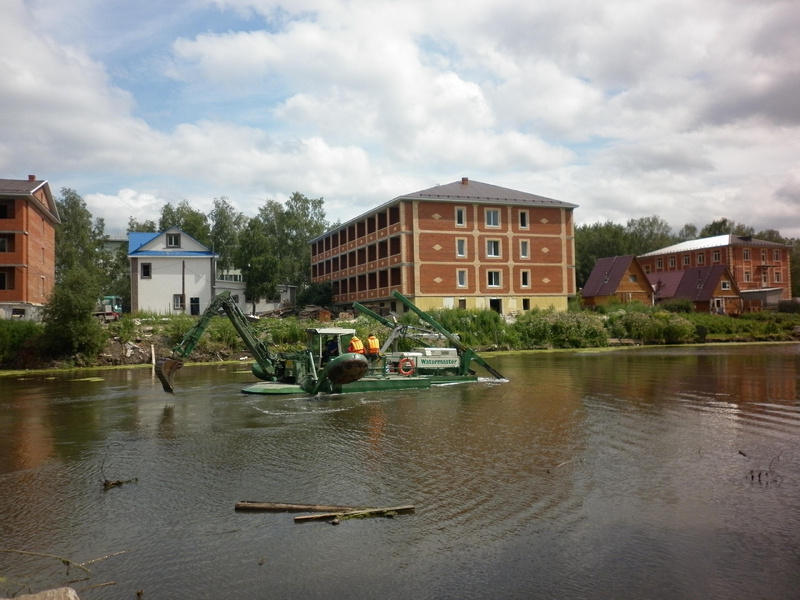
x: 373, y: 347
x: 356, y: 346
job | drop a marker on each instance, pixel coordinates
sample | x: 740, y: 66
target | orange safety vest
x: 373, y: 345
x: 356, y: 345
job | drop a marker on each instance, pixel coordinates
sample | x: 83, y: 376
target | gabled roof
x: 137, y: 243
x: 716, y: 241
x: 464, y: 191
x: 476, y: 191
x: 27, y: 188
x: 606, y: 276
x: 698, y: 284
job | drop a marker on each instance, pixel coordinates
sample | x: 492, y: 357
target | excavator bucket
x: 165, y: 369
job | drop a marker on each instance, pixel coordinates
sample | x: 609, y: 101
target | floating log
x: 354, y: 514
x: 283, y: 507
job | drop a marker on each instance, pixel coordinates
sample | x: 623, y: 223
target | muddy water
x: 645, y: 473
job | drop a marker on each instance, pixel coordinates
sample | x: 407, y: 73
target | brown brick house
x: 761, y: 269
x: 28, y: 217
x: 463, y: 244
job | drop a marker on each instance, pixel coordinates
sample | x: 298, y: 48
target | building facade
x: 28, y: 220
x: 761, y: 269
x: 465, y: 244
x: 617, y: 279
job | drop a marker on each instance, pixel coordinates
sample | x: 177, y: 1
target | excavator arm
x: 166, y: 367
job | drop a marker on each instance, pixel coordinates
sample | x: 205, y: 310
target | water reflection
x: 586, y: 475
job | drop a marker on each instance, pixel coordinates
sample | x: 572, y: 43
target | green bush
x: 14, y: 334
x: 550, y: 329
x: 677, y: 305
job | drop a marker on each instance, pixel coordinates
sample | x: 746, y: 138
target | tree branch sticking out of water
x: 108, y: 484
x: 765, y: 476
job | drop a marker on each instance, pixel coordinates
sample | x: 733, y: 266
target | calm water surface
x: 646, y: 473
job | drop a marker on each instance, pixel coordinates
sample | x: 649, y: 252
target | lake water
x: 659, y: 473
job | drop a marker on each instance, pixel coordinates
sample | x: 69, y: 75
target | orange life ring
x: 406, y: 367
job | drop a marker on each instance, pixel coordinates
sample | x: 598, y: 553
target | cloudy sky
x: 628, y: 108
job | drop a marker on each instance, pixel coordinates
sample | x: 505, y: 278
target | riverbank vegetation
x: 136, y: 340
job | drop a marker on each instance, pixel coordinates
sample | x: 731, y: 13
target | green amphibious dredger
x: 325, y: 366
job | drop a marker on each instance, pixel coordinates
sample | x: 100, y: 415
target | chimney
x: 465, y: 181
x: 31, y: 177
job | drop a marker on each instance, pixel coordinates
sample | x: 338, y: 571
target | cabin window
x: 493, y: 248
x: 493, y: 278
x: 461, y: 216
x: 461, y: 278
x: 523, y: 249
x: 632, y: 278
x: 726, y: 285
x: 146, y: 270
x: 492, y: 218
x: 173, y: 240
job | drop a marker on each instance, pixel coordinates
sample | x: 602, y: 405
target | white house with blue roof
x: 171, y: 272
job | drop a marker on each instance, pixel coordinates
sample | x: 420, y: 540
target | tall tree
x: 725, y: 226
x: 70, y: 326
x: 257, y: 258
x: 187, y: 219
x: 687, y: 232
x: 598, y: 240
x: 648, y: 233
x: 226, y: 227
x: 146, y: 226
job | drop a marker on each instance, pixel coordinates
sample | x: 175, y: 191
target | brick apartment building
x: 28, y: 218
x: 464, y: 244
x: 761, y: 269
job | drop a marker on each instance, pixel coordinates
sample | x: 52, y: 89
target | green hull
x: 365, y: 384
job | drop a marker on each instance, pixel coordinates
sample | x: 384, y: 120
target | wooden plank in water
x: 245, y: 505
x: 367, y: 512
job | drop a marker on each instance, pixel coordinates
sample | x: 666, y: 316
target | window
x: 647, y: 268
x: 726, y: 285
x: 523, y: 249
x: 747, y: 276
x: 461, y: 278
x: 716, y: 256
x: 687, y: 260
x: 523, y: 219
x: 493, y: 278
x: 763, y: 256
x: 3, y: 281
x: 632, y: 278
x: 6, y: 209
x: 173, y: 240
x: 492, y: 218
x: 776, y: 256
x: 659, y: 263
x: 764, y: 277
x: 746, y: 254
x: 526, y: 304
x: 671, y: 262
x: 7, y: 242
x: 147, y: 270
x: 462, y: 303
x: 776, y: 276
x: 493, y: 248
x: 525, y: 279
x: 701, y: 258
x: 461, y: 247
x: 178, y: 302
x: 18, y: 313
x: 461, y: 216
